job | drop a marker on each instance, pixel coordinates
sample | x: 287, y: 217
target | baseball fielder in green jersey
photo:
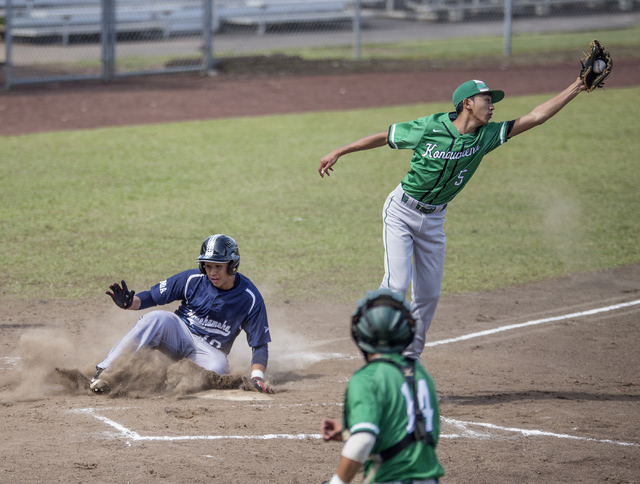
x: 447, y: 149
x: 391, y: 420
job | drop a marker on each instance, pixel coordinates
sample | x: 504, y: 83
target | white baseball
x: 598, y: 66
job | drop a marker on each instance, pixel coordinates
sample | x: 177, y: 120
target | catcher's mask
x: 382, y: 323
x: 219, y: 248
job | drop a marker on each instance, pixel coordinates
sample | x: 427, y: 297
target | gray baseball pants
x: 414, y: 244
x: 166, y: 332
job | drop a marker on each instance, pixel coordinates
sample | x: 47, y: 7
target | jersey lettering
x: 448, y: 155
x: 460, y: 178
x: 212, y: 326
x: 424, y: 403
x: 430, y: 147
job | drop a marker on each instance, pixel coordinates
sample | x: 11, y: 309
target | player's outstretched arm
x: 368, y: 142
x: 547, y: 109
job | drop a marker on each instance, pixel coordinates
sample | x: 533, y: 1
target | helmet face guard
x: 382, y: 323
x: 219, y: 248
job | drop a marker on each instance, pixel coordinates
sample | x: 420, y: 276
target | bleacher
x: 61, y: 19
x: 64, y: 18
x: 455, y: 10
x: 263, y: 13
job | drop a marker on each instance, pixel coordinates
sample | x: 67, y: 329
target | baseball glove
x: 594, y: 73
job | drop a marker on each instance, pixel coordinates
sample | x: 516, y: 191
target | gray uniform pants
x: 167, y: 332
x: 414, y: 245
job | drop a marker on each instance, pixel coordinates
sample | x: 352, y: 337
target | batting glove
x: 256, y: 383
x: 122, y: 296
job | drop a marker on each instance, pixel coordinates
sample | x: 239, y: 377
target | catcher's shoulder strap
x: 419, y: 433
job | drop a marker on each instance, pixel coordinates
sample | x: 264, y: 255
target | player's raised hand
x: 121, y: 295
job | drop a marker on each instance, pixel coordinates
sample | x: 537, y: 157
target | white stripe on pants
x: 414, y: 245
x: 168, y: 333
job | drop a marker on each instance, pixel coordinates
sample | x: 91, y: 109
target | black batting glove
x: 122, y: 296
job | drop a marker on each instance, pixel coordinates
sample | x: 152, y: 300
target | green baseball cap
x: 471, y: 88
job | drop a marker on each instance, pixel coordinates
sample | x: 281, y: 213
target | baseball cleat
x: 98, y: 385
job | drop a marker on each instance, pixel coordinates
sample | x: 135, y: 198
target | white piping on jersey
x: 384, y: 241
x: 254, y: 300
x: 186, y: 286
x: 503, y: 134
x: 391, y: 136
x: 365, y: 426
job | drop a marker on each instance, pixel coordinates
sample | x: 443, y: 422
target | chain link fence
x: 57, y: 40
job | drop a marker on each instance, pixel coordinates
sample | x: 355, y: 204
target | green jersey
x: 378, y: 400
x: 443, y: 160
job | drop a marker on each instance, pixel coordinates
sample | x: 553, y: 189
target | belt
x: 424, y: 208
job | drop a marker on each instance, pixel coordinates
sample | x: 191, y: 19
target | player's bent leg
x: 208, y: 357
x: 158, y: 329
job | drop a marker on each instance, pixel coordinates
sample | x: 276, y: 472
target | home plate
x: 233, y: 395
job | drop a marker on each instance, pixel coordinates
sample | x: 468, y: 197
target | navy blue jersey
x: 215, y: 314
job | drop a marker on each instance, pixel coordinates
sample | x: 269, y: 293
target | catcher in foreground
x: 391, y: 420
x: 596, y: 66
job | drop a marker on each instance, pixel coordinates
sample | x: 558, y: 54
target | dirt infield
x: 192, y: 97
x: 554, y: 400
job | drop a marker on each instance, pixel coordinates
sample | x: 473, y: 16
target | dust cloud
x: 60, y: 360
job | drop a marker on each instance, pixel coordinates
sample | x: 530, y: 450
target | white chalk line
x: 467, y: 433
x: 132, y: 435
x: 14, y: 360
x: 531, y: 433
x: 532, y: 323
x: 135, y: 436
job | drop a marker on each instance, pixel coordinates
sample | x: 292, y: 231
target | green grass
x: 461, y: 48
x: 80, y: 210
x: 139, y: 63
x: 526, y: 47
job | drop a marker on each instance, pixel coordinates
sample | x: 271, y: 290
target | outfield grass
x: 547, y: 44
x: 543, y: 48
x: 80, y: 210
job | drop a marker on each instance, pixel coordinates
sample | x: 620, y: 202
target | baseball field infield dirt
x: 554, y: 396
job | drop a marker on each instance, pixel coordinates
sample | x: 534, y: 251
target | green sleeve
x: 362, y: 411
x: 496, y: 135
x: 406, y: 136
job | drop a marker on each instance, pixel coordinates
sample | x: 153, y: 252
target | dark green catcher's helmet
x: 382, y: 323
